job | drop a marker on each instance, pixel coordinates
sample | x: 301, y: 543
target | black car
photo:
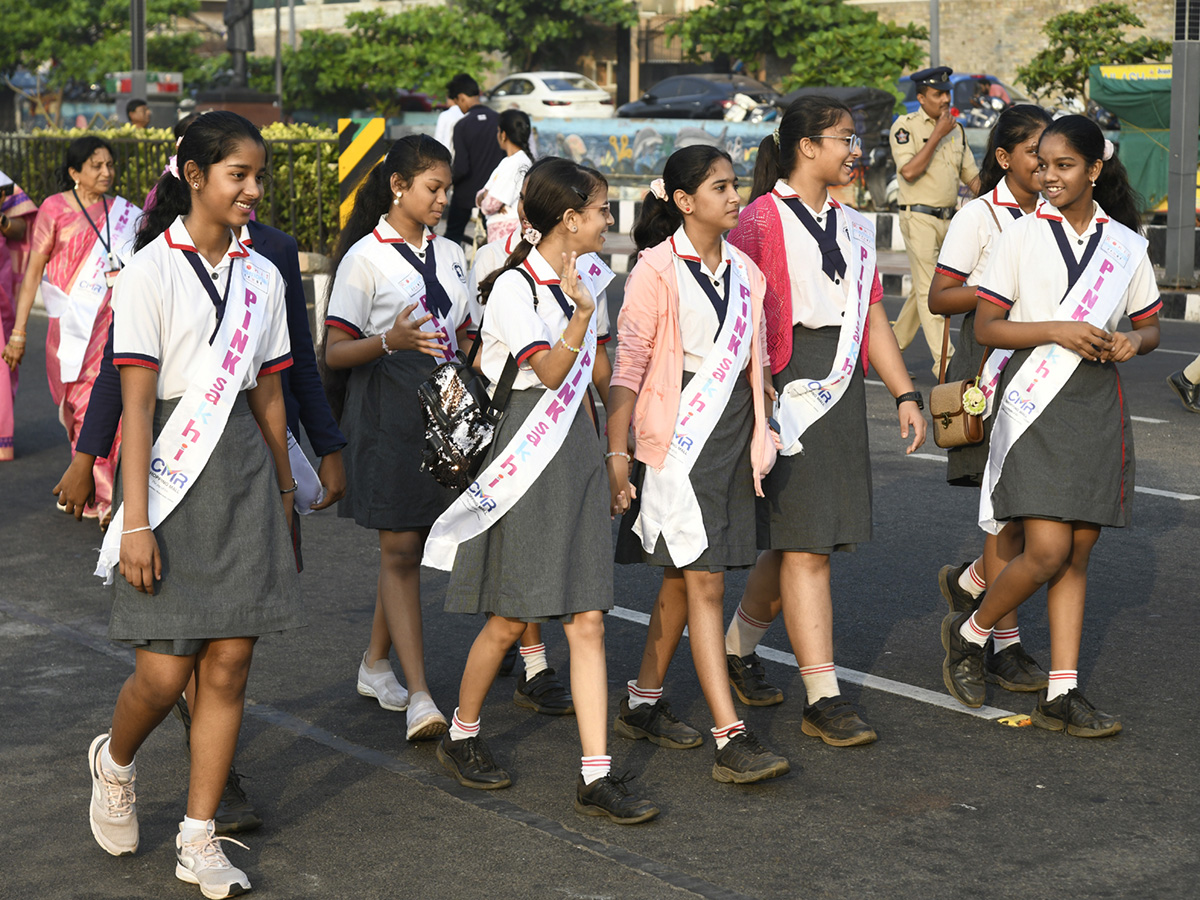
x: 696, y: 97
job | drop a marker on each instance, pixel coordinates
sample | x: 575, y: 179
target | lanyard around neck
x: 107, y: 245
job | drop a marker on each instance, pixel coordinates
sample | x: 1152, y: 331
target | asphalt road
x: 945, y: 804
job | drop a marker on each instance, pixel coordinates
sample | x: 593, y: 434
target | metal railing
x: 301, y: 194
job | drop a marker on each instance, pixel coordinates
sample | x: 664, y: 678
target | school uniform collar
x: 178, y: 239
x: 386, y: 234
x: 510, y: 242
x: 1002, y: 195
x: 681, y: 246
x: 1099, y: 217
x: 784, y: 191
x: 539, y: 267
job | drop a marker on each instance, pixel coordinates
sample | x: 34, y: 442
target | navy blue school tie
x: 719, y: 301
x: 436, y: 298
x: 833, y: 264
x: 1074, y: 269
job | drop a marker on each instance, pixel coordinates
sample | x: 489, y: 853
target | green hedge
x: 301, y: 194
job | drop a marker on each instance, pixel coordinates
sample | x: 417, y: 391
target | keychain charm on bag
x: 956, y: 408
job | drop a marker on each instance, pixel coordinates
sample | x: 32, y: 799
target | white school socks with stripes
x: 640, y: 696
x: 593, y: 768
x: 820, y: 682
x: 460, y: 730
x: 744, y: 633
x: 1061, y: 681
x: 535, y: 660
x: 724, y: 735
x: 972, y: 633
x: 971, y: 580
x: 1002, y: 640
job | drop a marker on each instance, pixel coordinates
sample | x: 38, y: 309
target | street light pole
x: 934, y: 34
x: 1185, y: 120
x: 137, y: 49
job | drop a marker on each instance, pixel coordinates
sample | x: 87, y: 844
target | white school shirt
x: 1028, y: 277
x: 817, y: 300
x: 365, y: 301
x: 698, y: 322
x: 504, y: 184
x: 512, y: 326
x: 163, y: 317
x: 973, y: 232
x: 443, y: 131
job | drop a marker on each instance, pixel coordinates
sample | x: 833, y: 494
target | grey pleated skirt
x: 819, y: 501
x: 383, y: 422
x: 723, y: 480
x: 965, y: 465
x: 228, y: 564
x: 550, y: 556
x: 1075, y: 462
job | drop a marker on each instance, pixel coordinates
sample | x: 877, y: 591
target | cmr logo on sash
x: 174, y: 477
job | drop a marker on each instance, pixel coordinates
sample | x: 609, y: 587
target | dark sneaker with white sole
x: 835, y: 721
x: 608, y: 796
x: 962, y: 669
x: 750, y: 681
x: 544, y: 693
x: 656, y: 723
x: 235, y: 812
x: 1014, y: 669
x: 1074, y: 714
x: 956, y: 597
x: 470, y: 762
x: 743, y: 760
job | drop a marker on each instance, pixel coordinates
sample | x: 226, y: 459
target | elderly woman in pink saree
x: 16, y: 223
x: 79, y: 241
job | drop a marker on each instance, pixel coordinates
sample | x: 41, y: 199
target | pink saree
x: 67, y: 238
x: 12, y: 265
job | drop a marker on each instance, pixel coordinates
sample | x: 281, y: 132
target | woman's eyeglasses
x: 853, y: 141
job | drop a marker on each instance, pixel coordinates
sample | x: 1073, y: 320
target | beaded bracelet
x: 611, y: 453
x: 563, y: 340
x: 383, y: 340
x: 136, y: 530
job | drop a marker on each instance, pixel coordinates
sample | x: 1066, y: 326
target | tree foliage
x: 419, y: 49
x: 831, y: 43
x: 1079, y: 40
x: 533, y: 30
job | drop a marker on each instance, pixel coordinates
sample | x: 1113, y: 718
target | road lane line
x: 936, y: 457
x: 1149, y: 420
x: 865, y: 679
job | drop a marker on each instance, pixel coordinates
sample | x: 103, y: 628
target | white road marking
x: 936, y: 457
x: 1177, y: 352
x: 867, y: 680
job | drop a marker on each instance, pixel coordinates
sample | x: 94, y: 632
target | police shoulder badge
x: 902, y: 136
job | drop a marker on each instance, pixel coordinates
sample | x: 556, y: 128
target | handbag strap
x: 946, y: 327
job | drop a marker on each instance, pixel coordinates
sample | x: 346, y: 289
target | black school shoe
x: 544, y: 693
x: 956, y: 598
x: 656, y: 723
x: 471, y: 763
x: 835, y: 721
x: 1073, y: 713
x: 1189, y: 394
x: 608, y: 796
x: 743, y: 760
x: 1014, y: 669
x: 962, y: 670
x: 750, y: 682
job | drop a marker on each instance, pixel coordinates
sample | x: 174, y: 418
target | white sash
x: 1096, y: 295
x: 668, y: 501
x: 803, y: 401
x: 412, y: 285
x: 515, y: 468
x: 77, y: 310
x: 193, y: 429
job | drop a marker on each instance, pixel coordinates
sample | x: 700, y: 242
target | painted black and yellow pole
x: 361, y: 145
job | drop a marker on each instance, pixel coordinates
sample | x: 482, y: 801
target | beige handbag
x: 953, y: 426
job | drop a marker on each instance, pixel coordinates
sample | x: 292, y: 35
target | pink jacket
x: 650, y: 357
x: 759, y: 234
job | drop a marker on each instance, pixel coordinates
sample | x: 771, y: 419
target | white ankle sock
x: 744, y: 633
x: 1192, y: 371
x: 1061, y: 681
x: 124, y: 773
x: 460, y: 730
x: 535, y: 660
x: 1002, y: 640
x: 640, y: 696
x: 973, y: 633
x: 593, y: 768
x: 971, y: 579
x: 724, y: 735
x: 193, y: 829
x: 820, y: 682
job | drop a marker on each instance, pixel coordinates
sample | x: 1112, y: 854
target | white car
x: 559, y: 95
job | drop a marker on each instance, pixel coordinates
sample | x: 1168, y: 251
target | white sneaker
x: 379, y: 681
x: 203, y: 862
x: 113, y: 810
x: 424, y: 719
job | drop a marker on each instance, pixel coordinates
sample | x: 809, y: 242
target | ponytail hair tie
x: 775, y: 134
x: 658, y: 188
x: 531, y: 235
x: 1108, y: 149
x: 173, y: 167
x: 178, y: 141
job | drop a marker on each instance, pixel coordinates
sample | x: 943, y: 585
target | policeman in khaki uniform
x: 932, y: 157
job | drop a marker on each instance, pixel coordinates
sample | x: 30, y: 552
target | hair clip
x: 173, y: 167
x: 658, y: 188
x: 178, y: 141
x: 1108, y: 149
x: 775, y: 134
x: 531, y: 235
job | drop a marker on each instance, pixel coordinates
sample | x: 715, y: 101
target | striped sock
x: 1061, y: 681
x: 724, y: 735
x: 971, y: 579
x: 535, y: 660
x: 973, y: 633
x: 593, y: 768
x: 744, y: 633
x: 640, y: 696
x: 1002, y: 640
x: 819, y: 682
x: 460, y: 730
